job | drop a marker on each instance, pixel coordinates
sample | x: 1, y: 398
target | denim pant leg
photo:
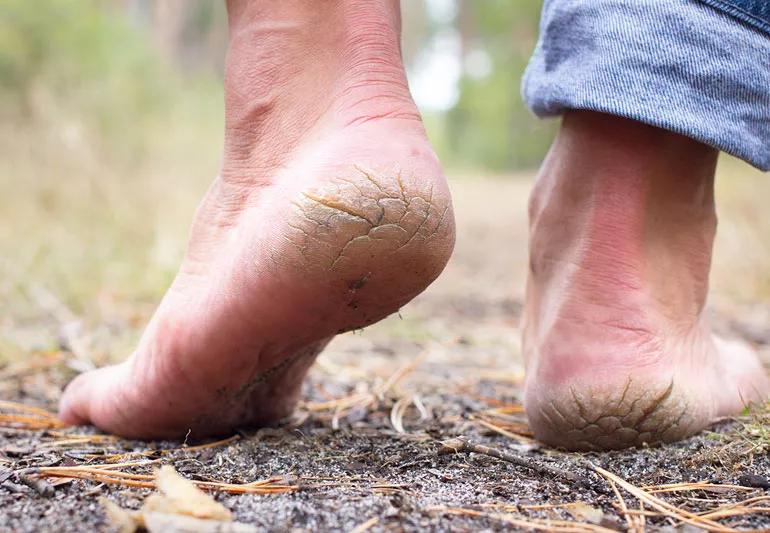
x: 689, y: 66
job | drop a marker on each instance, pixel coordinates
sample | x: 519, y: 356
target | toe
x: 742, y: 369
x: 86, y: 396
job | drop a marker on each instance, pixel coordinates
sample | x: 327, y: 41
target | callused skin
x: 330, y: 212
x: 618, y: 350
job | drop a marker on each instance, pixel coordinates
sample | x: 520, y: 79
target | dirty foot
x: 619, y: 352
x: 330, y: 212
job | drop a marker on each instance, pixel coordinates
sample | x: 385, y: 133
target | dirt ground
x: 362, y: 452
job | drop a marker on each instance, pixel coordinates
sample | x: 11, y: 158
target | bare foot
x: 330, y: 212
x: 618, y: 350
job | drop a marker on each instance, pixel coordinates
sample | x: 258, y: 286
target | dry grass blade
x: 399, y: 409
x: 122, y: 458
x: 22, y: 416
x: 111, y: 466
x: 578, y: 509
x: 98, y: 477
x: 750, y: 501
x: 397, y: 414
x: 508, y: 409
x: 661, y: 505
x: 198, y: 447
x: 75, y: 441
x: 94, y: 439
x: 401, y: 373
x: 745, y: 507
x: 54, y: 470
x: 514, y: 423
x: 499, y: 406
x: 635, y: 519
x: 737, y: 511
x: 263, y: 486
x: 705, y: 486
x: 29, y: 422
x: 341, y: 406
x: 17, y: 407
x: 339, y: 403
x: 623, y: 506
x: 105, y: 474
x: 558, y: 526
x: 534, y: 507
x: 641, y: 519
x: 119, y: 458
x: 506, y: 433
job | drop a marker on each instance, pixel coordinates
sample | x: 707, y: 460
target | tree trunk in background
x: 169, y: 18
x: 458, y: 118
x: 466, y: 27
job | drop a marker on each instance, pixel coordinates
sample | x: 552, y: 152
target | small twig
x: 41, y: 486
x: 461, y: 445
x: 13, y: 487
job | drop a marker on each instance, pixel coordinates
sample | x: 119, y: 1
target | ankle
x: 631, y: 208
x: 625, y: 165
x: 293, y: 65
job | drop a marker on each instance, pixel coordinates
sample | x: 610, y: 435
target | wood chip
x: 176, y: 523
x: 181, y: 496
x: 122, y: 520
x: 178, y: 507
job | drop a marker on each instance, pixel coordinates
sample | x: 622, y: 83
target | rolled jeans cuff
x: 680, y: 65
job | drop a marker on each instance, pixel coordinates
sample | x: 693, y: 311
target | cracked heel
x: 380, y: 237
x: 636, y: 413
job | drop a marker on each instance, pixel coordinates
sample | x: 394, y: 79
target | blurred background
x: 111, y: 128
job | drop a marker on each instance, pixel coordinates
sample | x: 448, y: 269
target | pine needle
x: 661, y: 505
x: 557, y: 526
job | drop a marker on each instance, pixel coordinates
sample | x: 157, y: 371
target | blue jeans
x: 753, y: 12
x: 700, y: 68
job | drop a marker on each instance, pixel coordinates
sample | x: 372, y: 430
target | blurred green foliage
x: 97, y: 125
x: 97, y: 61
x: 79, y: 50
x: 491, y: 126
x: 84, y: 61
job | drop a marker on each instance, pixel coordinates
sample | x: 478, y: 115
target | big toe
x: 90, y: 396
